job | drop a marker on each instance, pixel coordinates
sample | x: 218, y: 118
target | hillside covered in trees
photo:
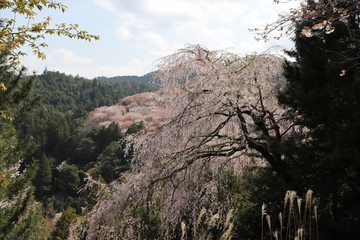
x: 147, y: 78
x: 225, y: 146
x: 63, y: 153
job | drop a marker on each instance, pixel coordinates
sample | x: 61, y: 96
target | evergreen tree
x: 19, y: 218
x: 14, y: 88
x: 18, y: 213
x: 63, y: 224
x: 113, y: 161
x: 323, y: 86
x: 103, y: 136
x: 69, y: 179
x: 43, y: 178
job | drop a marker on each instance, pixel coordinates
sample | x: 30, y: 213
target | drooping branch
x: 219, y: 109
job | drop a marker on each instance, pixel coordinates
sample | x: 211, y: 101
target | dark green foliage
x: 19, y: 219
x: 68, y: 180
x: 323, y: 87
x: 85, y: 151
x: 49, y: 209
x: 43, y: 178
x: 146, y: 79
x: 260, y: 185
x: 149, y: 220
x: 57, y: 132
x: 62, y: 226
x: 8, y: 141
x: 66, y: 92
x: 113, y: 161
x: 105, y: 146
x: 94, y: 143
x: 12, y: 99
x: 103, y: 136
x: 237, y: 193
x: 18, y: 212
x: 135, y: 128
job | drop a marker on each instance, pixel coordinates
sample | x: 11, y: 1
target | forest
x: 256, y: 146
x: 56, y: 146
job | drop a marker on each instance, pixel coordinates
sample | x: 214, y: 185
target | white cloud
x: 106, y: 4
x: 62, y: 60
x: 141, y: 39
x: 152, y: 39
x: 160, y: 27
x: 171, y: 10
x: 64, y: 57
x: 124, y: 33
x: 142, y: 31
x: 219, y: 23
x: 132, y: 67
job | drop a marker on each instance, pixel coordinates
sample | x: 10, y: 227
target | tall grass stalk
x: 263, y: 214
x: 207, y: 223
x: 299, y: 218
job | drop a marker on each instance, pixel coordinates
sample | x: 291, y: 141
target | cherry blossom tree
x: 222, y: 115
x: 220, y: 105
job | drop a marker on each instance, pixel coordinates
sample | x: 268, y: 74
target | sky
x: 136, y: 33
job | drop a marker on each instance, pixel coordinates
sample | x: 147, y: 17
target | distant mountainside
x: 65, y: 92
x: 147, y: 78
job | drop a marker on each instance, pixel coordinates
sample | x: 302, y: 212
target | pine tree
x: 18, y: 212
x: 14, y: 88
x: 69, y: 180
x: 43, y: 178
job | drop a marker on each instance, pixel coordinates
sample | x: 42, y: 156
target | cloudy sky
x: 135, y: 33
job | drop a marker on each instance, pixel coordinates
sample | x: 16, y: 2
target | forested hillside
x: 66, y: 154
x: 147, y: 78
x: 63, y: 103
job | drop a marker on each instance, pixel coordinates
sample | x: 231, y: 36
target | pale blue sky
x: 135, y: 33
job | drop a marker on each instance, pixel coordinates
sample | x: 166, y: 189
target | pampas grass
x: 298, y: 224
x: 206, y: 223
x: 183, y: 230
